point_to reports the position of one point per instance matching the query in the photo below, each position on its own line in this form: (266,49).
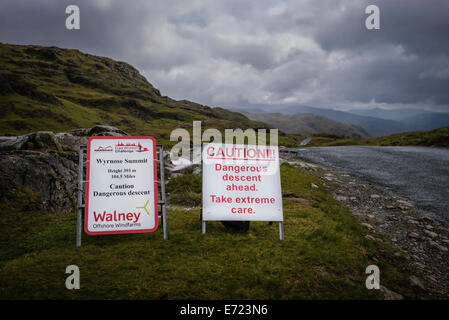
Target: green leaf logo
(144,207)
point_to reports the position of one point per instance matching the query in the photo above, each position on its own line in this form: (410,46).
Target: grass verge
(324,255)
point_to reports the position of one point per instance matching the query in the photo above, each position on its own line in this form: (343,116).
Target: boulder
(47,163)
(431,234)
(416,282)
(41,140)
(72,141)
(52,175)
(106,131)
(391,295)
(405,205)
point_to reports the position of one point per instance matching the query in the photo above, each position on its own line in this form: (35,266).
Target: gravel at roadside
(423,241)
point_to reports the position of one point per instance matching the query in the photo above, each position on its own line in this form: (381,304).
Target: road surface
(418,174)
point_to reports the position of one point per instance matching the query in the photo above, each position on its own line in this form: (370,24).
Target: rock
(438,246)
(314,186)
(404,205)
(44,140)
(370,237)
(353,198)
(431,234)
(368,225)
(431,278)
(427,220)
(47,164)
(197,170)
(105,131)
(72,141)
(419,265)
(41,140)
(52,175)
(413,235)
(340,198)
(375,196)
(390,295)
(416,282)
(184,166)
(305,141)
(82,132)
(301,164)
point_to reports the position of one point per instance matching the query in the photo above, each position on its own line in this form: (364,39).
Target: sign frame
(86,209)
(82,181)
(203,222)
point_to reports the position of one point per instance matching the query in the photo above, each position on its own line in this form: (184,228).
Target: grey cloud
(258,52)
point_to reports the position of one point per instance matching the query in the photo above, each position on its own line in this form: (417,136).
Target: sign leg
(78,228)
(204,227)
(164,223)
(80,197)
(281,230)
(162,176)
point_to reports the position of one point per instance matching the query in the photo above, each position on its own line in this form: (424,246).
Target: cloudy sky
(259,53)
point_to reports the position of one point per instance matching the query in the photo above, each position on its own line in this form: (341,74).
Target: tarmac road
(418,174)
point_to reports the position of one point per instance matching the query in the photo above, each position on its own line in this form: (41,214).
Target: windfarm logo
(145,207)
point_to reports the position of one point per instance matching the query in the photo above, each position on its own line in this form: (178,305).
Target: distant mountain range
(417,120)
(376,122)
(308,124)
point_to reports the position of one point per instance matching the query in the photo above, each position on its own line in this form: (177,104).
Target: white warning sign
(241,182)
(121,186)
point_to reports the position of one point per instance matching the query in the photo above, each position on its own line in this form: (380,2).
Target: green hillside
(48,88)
(433,138)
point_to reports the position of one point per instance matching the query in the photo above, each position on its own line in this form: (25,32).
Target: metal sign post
(81,181)
(81,191)
(162,202)
(203,222)
(281,230)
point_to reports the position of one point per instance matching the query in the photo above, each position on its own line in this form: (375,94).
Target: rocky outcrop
(42,140)
(51,174)
(47,163)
